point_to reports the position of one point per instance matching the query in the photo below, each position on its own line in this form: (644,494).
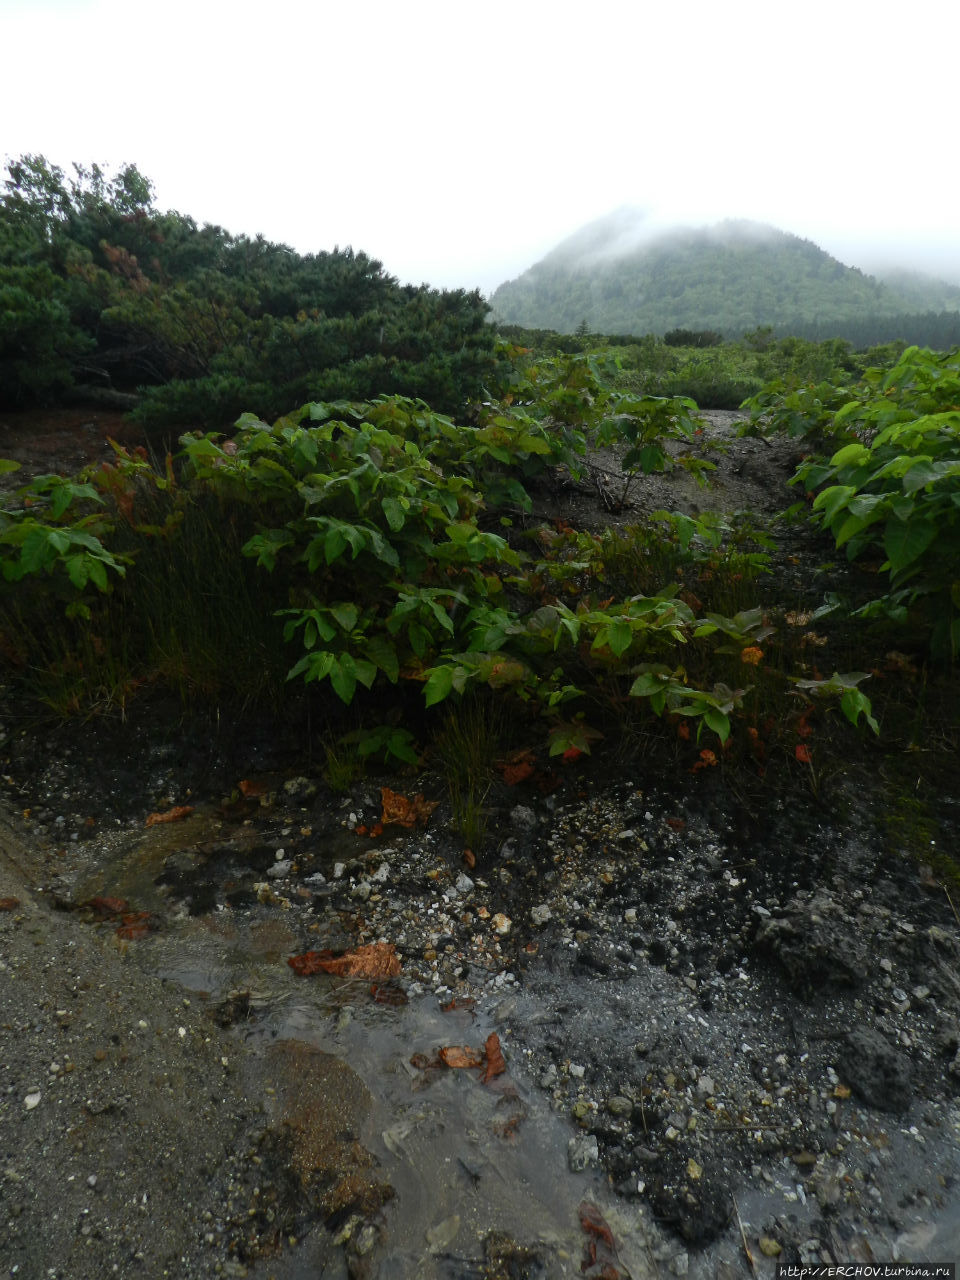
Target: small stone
(769,1247)
(523,817)
(92,1180)
(630,915)
(32,1099)
(361,890)
(280,869)
(444,1233)
(366,1238)
(618,1105)
(680,1264)
(501,923)
(582,1152)
(540,914)
(463,883)
(577,1070)
(706,1087)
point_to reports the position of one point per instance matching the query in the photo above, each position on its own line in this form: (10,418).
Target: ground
(728,1014)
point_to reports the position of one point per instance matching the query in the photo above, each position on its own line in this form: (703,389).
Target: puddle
(665,1024)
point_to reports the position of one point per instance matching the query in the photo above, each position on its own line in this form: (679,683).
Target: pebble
(501,923)
(522,816)
(582,1152)
(32,1099)
(577,1070)
(441,1236)
(280,868)
(540,914)
(618,1105)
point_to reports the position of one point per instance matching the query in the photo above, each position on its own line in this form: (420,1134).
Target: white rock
(32,1099)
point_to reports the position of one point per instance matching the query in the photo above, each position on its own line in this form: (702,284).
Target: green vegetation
(100,292)
(374,554)
(892,490)
(618,276)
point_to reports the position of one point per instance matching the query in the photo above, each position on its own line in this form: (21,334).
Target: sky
(457,141)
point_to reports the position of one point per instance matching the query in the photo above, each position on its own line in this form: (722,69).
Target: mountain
(624,274)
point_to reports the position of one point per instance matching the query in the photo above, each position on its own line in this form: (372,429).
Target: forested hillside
(617,277)
(101,291)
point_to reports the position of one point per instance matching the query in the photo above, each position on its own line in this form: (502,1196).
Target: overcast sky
(458,141)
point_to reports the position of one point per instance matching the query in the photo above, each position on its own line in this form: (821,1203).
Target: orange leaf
(135,925)
(496,1064)
(469,858)
(107,906)
(572,753)
(751,655)
(803,753)
(9,904)
(461,1056)
(247,787)
(519,772)
(594,1224)
(464,1002)
(172,815)
(403,812)
(518,767)
(683,731)
(375,960)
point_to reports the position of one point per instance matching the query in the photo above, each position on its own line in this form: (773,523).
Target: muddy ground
(728,1015)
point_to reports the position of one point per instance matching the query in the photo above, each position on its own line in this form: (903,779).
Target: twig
(952,906)
(743,1237)
(737,1128)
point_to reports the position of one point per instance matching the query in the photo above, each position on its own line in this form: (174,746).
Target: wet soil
(729,1013)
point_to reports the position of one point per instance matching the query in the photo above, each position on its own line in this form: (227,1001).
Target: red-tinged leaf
(401,811)
(594,1223)
(469,858)
(9,904)
(136,925)
(571,754)
(361,830)
(178,812)
(105,907)
(518,767)
(455,1005)
(248,787)
(461,1057)
(803,753)
(310,962)
(676,824)
(424,1063)
(496,1065)
(376,960)
(513,774)
(388,993)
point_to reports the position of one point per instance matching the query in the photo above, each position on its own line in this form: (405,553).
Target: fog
(460,143)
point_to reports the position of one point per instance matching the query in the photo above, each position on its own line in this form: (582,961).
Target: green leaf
(346,614)
(343,678)
(619,636)
(716,720)
(395,514)
(904,542)
(382,651)
(438,686)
